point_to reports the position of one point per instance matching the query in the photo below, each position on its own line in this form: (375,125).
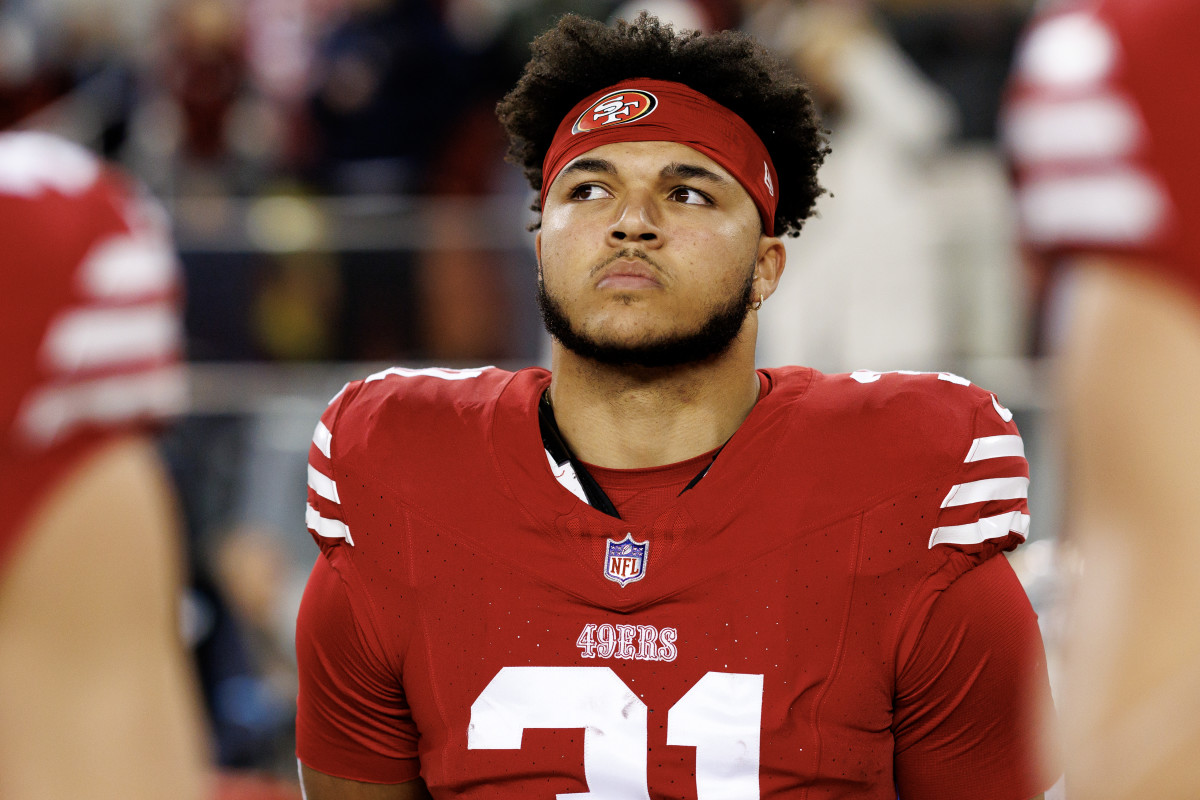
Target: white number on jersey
(720,716)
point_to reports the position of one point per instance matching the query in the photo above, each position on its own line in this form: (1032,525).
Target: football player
(653,571)
(96,695)
(1102,124)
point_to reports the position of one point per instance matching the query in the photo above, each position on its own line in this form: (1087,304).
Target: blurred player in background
(1103,126)
(96,694)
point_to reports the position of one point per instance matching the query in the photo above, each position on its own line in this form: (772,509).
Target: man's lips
(628,274)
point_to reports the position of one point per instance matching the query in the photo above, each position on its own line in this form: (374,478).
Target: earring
(757,304)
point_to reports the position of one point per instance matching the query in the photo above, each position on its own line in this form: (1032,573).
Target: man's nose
(636,222)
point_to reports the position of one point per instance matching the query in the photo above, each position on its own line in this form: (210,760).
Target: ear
(768,268)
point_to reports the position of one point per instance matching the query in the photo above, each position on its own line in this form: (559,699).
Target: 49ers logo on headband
(615,108)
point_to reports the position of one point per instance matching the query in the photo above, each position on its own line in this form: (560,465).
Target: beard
(714,336)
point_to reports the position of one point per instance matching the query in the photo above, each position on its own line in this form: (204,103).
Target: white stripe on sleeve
(1094,128)
(54,410)
(125,266)
(988,489)
(987,447)
(441,373)
(323,438)
(91,338)
(322,484)
(328,528)
(979,532)
(1121,206)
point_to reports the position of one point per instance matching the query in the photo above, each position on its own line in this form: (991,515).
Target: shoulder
(914,419)
(967,438)
(905,391)
(1074,47)
(34,163)
(1100,124)
(95,341)
(931,450)
(409,405)
(60,196)
(422,431)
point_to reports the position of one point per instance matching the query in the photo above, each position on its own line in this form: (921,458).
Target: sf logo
(613,108)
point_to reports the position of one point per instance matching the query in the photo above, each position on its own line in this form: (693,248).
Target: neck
(631,417)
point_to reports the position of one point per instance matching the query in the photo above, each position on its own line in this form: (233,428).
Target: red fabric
(1142,72)
(640,494)
(344,677)
(469,627)
(646,110)
(982,647)
(74,232)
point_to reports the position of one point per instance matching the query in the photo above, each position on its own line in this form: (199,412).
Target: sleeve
(324,515)
(987,504)
(1100,125)
(100,327)
(91,330)
(973,700)
(352,720)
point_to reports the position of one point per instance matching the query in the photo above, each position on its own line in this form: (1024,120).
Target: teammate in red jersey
(1103,126)
(655,572)
(97,699)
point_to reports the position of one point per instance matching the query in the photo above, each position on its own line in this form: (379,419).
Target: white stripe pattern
(441,373)
(328,528)
(322,484)
(323,439)
(987,447)
(53,411)
(1012,487)
(983,530)
(127,266)
(1087,129)
(1071,52)
(1113,206)
(986,490)
(33,162)
(91,338)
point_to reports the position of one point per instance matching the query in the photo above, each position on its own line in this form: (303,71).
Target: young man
(1102,126)
(655,571)
(96,695)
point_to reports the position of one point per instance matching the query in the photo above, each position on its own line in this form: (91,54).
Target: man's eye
(589,191)
(686,194)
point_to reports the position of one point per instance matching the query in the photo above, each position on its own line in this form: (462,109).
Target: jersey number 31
(720,716)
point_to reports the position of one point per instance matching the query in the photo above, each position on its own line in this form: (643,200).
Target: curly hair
(578,57)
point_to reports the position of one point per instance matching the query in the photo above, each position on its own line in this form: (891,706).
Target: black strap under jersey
(557,447)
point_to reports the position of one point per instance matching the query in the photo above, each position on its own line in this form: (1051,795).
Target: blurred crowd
(335,176)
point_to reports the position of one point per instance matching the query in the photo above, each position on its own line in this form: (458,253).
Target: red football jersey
(1102,124)
(90,329)
(826,614)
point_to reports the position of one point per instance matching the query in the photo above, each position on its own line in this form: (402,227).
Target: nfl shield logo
(625,561)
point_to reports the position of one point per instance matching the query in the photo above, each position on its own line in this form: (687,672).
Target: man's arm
(319,786)
(973,700)
(98,699)
(1128,381)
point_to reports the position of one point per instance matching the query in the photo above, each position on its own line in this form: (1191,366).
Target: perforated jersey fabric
(826,614)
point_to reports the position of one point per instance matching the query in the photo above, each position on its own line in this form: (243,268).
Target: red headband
(646,110)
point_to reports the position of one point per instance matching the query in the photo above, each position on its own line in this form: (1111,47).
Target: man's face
(647,255)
